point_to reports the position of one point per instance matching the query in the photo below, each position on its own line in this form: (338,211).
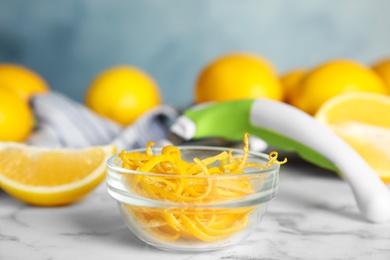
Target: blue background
(70,42)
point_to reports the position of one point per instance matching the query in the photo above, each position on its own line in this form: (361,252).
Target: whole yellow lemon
(122,93)
(333,78)
(382,68)
(238,76)
(16,118)
(21,80)
(291,82)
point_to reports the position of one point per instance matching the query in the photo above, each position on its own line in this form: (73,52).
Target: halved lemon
(51,177)
(363,121)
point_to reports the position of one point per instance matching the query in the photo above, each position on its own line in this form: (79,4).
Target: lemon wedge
(51,177)
(362,120)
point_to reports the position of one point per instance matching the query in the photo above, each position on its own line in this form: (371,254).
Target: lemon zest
(195,189)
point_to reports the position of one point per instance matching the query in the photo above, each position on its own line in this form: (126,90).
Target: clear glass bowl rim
(274,167)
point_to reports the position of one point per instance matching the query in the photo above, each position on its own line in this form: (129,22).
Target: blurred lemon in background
(51,177)
(237,76)
(333,78)
(382,68)
(291,82)
(122,94)
(16,118)
(22,81)
(362,120)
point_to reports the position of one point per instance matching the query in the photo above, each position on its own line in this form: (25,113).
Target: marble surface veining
(314,216)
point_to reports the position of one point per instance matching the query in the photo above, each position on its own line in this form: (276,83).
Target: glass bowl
(228,211)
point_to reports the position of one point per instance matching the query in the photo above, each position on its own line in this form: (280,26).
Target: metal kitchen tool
(287,128)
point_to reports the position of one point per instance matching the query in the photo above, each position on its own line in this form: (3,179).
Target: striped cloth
(62,122)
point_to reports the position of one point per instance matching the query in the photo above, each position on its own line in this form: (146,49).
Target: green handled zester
(287,128)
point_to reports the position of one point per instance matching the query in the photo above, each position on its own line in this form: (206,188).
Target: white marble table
(313,217)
